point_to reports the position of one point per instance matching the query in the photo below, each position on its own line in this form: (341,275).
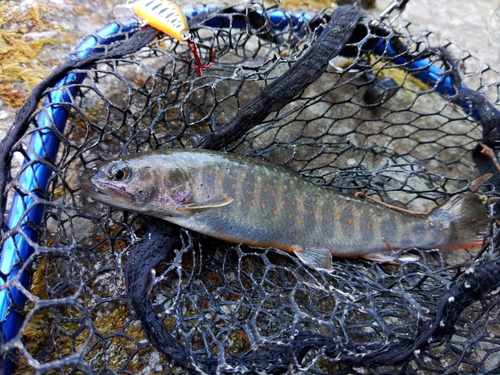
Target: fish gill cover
(399,115)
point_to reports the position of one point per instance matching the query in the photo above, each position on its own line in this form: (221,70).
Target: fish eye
(119,171)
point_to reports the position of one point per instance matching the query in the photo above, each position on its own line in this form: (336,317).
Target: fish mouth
(100,190)
(86,183)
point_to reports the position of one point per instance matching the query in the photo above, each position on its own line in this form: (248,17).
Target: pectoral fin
(315,258)
(191,208)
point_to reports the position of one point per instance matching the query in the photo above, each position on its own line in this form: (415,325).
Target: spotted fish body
(243,200)
(165,16)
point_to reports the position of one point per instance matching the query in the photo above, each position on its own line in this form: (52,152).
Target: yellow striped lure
(167,17)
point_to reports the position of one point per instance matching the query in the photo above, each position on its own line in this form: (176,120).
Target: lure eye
(119,172)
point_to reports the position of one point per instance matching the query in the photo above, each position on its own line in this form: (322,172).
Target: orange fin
(466,216)
(315,258)
(474,185)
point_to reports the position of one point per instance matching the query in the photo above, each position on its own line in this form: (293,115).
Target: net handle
(43,144)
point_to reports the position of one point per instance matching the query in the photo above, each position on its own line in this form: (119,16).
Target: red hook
(199,67)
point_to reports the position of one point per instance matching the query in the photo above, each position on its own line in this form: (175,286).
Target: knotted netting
(400,115)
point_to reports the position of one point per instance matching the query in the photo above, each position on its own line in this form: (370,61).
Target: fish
(240,199)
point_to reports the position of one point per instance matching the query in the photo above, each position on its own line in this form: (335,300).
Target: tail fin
(467,217)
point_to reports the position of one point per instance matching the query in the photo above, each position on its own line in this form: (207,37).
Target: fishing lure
(165,16)
(169,18)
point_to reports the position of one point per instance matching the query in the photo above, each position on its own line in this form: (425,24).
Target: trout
(244,200)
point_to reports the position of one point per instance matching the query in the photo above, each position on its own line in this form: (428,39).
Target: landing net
(386,119)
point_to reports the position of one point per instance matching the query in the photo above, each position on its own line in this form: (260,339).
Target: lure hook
(198,68)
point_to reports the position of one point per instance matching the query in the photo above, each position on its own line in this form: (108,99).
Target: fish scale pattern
(93,305)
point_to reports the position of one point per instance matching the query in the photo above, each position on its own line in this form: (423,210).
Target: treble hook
(200,66)
(398,5)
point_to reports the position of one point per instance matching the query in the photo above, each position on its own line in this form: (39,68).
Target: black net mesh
(95,305)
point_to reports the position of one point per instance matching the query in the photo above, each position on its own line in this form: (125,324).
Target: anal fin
(315,258)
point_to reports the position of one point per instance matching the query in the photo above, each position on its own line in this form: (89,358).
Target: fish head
(140,184)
